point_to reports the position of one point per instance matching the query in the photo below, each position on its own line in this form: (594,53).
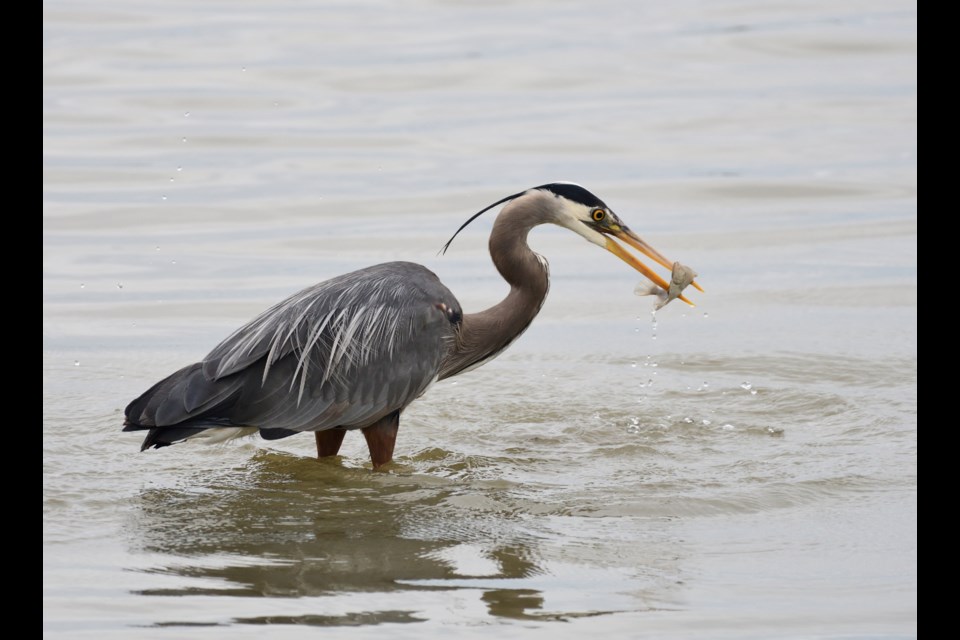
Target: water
(744,469)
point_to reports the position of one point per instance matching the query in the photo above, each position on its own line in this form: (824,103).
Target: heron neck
(484,335)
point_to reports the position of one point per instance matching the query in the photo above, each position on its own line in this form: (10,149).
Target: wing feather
(344,353)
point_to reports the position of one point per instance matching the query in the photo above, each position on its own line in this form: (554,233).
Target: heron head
(569,205)
(587,215)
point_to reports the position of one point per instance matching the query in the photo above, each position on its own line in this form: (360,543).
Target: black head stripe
(573,192)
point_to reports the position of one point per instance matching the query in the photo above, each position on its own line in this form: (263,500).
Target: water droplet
(157,248)
(173,262)
(706,385)
(705,422)
(688,420)
(633,429)
(276,104)
(179,168)
(654,364)
(184,139)
(186,114)
(171,179)
(650,382)
(728,427)
(633,365)
(746,386)
(119,285)
(243,69)
(163,197)
(775,431)
(82,286)
(706,315)
(753,392)
(76,363)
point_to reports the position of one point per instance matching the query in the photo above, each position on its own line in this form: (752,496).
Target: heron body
(354,351)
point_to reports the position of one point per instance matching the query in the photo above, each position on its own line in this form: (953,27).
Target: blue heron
(354,351)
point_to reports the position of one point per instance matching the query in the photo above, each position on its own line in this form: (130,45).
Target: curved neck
(484,335)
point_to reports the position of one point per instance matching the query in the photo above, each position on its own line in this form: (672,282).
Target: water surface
(747,468)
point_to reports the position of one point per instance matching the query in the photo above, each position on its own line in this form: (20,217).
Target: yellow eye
(598,215)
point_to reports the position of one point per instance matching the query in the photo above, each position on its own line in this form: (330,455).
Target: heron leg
(329,441)
(381,436)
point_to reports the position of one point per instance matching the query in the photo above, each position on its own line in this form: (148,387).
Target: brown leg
(381,436)
(329,441)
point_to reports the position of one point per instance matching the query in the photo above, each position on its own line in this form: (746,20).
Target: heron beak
(632,239)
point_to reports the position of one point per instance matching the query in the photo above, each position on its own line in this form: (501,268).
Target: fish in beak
(681,276)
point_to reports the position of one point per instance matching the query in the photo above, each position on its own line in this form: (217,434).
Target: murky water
(747,468)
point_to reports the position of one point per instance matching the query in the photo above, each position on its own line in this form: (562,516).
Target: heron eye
(598,215)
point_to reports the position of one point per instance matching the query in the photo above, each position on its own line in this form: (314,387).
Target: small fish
(680,279)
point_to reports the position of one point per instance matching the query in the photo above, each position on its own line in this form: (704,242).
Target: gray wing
(342,353)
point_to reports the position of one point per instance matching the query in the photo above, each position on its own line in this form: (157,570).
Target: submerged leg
(381,436)
(329,441)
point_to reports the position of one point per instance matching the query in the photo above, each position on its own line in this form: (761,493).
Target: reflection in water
(283,526)
(349,619)
(321,528)
(512,603)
